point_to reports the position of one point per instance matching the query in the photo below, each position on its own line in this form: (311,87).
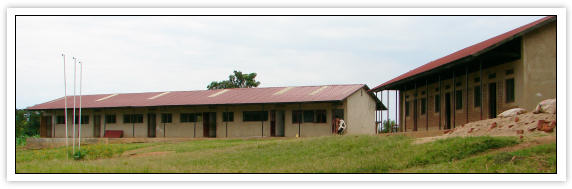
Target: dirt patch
(523,125)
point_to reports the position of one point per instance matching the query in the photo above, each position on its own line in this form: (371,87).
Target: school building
(514,69)
(242,112)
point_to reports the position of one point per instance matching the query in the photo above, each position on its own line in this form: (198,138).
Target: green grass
(537,159)
(332,154)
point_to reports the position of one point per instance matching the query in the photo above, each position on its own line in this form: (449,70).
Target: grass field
(333,154)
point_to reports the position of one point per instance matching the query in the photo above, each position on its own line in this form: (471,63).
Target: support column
(299,118)
(376,118)
(454,93)
(404,104)
(262,122)
(481,84)
(440,96)
(467,93)
(415,112)
(426,105)
(387,113)
(226,122)
(396,109)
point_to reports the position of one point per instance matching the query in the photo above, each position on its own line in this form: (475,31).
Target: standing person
(341,127)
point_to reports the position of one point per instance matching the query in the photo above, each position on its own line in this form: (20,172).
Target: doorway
(336,113)
(277,123)
(151,125)
(415,115)
(448,111)
(209,124)
(46,126)
(96,126)
(492,100)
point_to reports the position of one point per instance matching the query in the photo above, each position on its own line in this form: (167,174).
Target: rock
(471,130)
(493,125)
(519,132)
(447,131)
(549,127)
(510,126)
(540,125)
(512,112)
(531,128)
(516,119)
(546,106)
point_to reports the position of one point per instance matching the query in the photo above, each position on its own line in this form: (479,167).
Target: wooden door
(96,126)
(273,123)
(151,125)
(46,126)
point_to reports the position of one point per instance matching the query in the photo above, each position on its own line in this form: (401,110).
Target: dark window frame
(61,119)
(458,99)
(84,119)
(297,116)
(509,90)
(437,103)
(308,116)
(252,116)
(477,99)
(108,119)
(406,108)
(166,118)
(321,116)
(132,118)
(228,116)
(423,106)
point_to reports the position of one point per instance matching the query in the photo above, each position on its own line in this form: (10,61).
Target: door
(415,115)
(280,123)
(273,123)
(46,126)
(337,113)
(97,126)
(209,124)
(492,100)
(448,111)
(151,125)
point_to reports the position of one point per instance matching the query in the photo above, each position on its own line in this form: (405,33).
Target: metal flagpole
(73,126)
(80,76)
(66,105)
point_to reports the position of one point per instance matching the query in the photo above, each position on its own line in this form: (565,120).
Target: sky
(181,53)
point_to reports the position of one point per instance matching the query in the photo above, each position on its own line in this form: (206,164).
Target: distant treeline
(27,125)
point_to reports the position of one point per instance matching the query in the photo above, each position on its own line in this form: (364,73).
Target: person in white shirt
(341,127)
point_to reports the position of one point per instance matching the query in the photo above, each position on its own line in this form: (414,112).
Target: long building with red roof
(514,69)
(241,112)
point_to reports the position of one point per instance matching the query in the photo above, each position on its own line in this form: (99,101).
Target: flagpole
(73,128)
(66,106)
(80,76)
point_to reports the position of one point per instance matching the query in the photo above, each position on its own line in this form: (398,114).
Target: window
(60,120)
(492,75)
(166,118)
(133,118)
(321,116)
(296,116)
(509,90)
(458,100)
(110,119)
(190,117)
(509,72)
(437,103)
(423,106)
(477,79)
(308,116)
(406,108)
(228,116)
(477,96)
(84,119)
(255,116)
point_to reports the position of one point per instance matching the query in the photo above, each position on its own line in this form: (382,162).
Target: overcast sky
(146,54)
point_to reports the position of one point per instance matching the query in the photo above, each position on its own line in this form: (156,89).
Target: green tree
(387,125)
(238,80)
(27,123)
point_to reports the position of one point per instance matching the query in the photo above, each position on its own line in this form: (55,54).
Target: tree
(387,125)
(238,80)
(27,123)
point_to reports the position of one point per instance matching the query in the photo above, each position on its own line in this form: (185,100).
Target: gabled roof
(473,50)
(325,93)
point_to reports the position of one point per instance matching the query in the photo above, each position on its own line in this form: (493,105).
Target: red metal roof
(211,97)
(471,50)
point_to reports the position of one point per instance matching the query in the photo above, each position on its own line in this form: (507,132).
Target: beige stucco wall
(358,111)
(360,117)
(539,55)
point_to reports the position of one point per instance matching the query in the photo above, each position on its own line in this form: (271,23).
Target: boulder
(546,106)
(520,132)
(516,119)
(493,125)
(512,112)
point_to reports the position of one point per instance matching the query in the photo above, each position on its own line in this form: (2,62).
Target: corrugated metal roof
(211,97)
(471,50)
